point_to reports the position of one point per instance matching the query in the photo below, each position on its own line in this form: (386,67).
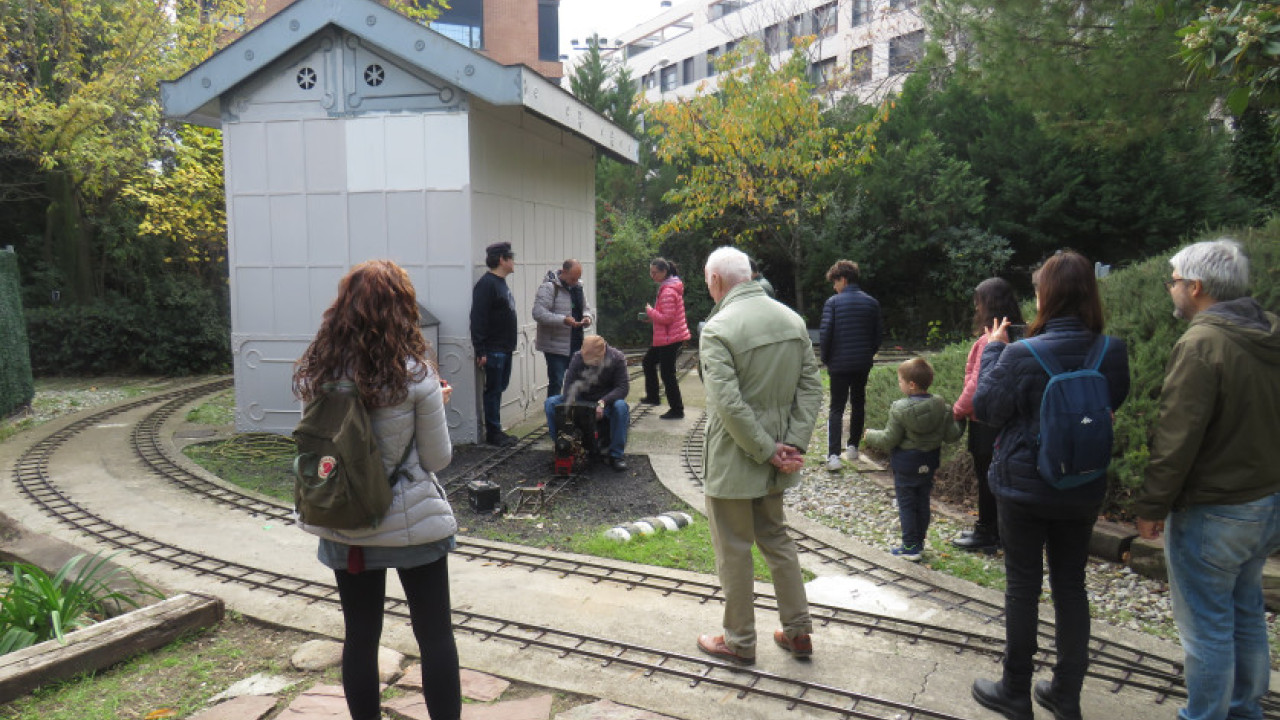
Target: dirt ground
(594,498)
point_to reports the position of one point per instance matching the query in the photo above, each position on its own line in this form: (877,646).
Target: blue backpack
(1075,419)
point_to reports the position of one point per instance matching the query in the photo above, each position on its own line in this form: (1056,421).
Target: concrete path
(99,470)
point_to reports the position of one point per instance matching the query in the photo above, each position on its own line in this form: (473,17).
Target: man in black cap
(493,335)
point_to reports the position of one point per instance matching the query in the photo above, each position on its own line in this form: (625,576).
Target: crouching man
(598,374)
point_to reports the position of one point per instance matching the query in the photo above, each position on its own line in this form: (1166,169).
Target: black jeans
(912,491)
(982,441)
(850,387)
(663,358)
(1031,532)
(426,589)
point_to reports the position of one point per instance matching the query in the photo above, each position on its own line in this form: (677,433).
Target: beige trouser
(735,526)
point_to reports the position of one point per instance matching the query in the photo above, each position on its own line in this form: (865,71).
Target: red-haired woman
(1036,518)
(670,330)
(370,338)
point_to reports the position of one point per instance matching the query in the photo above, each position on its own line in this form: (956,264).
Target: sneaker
(834,464)
(672,415)
(976,540)
(908,552)
(851,453)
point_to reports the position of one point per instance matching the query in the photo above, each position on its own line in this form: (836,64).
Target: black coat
(493,316)
(850,332)
(1010,386)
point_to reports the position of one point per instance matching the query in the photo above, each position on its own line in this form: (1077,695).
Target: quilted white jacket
(419,512)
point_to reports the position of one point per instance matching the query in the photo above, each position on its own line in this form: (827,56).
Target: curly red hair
(368,335)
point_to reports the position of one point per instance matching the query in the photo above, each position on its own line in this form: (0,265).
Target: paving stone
(315,655)
(389,662)
(260,684)
(537,707)
(609,710)
(477,686)
(322,702)
(249,707)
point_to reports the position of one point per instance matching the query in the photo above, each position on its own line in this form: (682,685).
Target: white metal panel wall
(309,198)
(533,185)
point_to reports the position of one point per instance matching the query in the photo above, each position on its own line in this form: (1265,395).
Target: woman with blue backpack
(1053,396)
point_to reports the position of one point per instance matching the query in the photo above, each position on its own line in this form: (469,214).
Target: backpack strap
(1093,360)
(1047,361)
(395,474)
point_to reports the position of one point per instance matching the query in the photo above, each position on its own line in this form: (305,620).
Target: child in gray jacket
(918,426)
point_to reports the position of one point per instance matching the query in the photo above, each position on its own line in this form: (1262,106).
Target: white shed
(350,133)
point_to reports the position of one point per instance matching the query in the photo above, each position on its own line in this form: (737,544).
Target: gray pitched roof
(194,97)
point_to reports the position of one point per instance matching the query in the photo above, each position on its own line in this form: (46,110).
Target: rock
(241,708)
(537,707)
(1271,582)
(389,662)
(315,655)
(1111,540)
(1146,557)
(260,684)
(481,686)
(609,710)
(321,701)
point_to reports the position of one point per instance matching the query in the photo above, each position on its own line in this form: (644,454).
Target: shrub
(178,328)
(37,607)
(16,384)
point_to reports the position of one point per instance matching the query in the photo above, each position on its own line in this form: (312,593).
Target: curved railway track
(1123,668)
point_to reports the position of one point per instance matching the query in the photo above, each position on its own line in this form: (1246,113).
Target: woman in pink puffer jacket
(670,330)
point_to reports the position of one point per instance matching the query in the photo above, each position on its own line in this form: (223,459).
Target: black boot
(993,696)
(1063,708)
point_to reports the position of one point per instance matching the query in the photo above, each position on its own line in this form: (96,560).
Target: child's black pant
(913,492)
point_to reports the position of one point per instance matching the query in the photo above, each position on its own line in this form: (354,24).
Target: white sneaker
(851,454)
(834,464)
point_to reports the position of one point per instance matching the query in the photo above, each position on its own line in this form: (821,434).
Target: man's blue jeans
(497,375)
(556,367)
(1215,555)
(618,414)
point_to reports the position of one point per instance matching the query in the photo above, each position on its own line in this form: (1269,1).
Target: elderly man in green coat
(763,394)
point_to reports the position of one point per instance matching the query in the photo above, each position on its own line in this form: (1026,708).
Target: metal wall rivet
(469,70)
(294,25)
(248,54)
(420,45)
(371,21)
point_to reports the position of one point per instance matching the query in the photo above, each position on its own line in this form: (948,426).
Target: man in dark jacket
(598,374)
(1214,473)
(493,335)
(849,338)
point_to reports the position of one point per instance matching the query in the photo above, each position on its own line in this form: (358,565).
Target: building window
(726,7)
(861,12)
(670,77)
(905,51)
(823,73)
(795,28)
(712,56)
(903,4)
(860,65)
(463,23)
(686,71)
(773,39)
(825,20)
(549,30)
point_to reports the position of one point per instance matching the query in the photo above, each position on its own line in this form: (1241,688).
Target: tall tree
(755,164)
(1097,71)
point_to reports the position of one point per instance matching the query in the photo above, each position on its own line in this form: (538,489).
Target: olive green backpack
(339,482)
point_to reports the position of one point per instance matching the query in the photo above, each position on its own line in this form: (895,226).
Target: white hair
(731,264)
(1220,265)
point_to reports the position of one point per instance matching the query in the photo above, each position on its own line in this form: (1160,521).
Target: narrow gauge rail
(1121,667)
(32,475)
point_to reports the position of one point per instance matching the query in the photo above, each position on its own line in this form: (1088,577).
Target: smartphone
(1016,332)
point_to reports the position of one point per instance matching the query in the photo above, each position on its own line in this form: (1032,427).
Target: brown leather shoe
(800,646)
(715,646)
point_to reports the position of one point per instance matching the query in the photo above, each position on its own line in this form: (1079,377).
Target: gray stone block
(1111,540)
(1146,557)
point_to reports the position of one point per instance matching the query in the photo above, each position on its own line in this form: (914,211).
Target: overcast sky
(580,18)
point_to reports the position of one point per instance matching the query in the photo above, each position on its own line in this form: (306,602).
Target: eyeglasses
(1168,284)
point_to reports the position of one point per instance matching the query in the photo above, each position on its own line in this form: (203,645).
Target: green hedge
(16,384)
(1138,310)
(180,329)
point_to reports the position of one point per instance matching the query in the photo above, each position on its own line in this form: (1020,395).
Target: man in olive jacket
(763,394)
(1214,473)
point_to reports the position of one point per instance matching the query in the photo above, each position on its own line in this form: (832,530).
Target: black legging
(982,440)
(663,357)
(426,588)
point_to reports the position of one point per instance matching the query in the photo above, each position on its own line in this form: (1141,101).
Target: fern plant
(37,607)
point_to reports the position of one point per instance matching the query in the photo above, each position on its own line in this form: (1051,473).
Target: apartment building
(511,32)
(861,46)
